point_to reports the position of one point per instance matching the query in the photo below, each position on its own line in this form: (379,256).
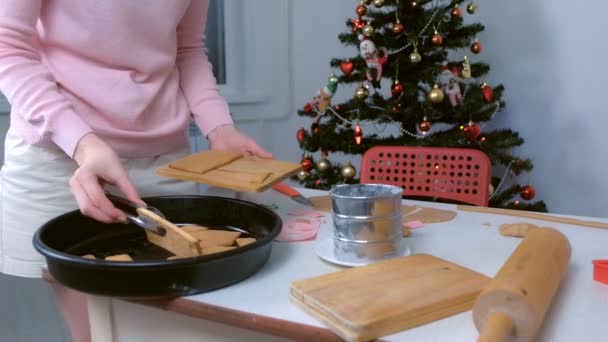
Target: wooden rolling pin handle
(498,328)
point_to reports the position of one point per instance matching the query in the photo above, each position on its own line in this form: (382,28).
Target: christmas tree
(417,69)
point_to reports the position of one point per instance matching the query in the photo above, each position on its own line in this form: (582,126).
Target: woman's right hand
(99,164)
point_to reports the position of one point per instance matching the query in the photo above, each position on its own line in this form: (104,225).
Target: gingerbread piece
(202,162)
(216,249)
(119,257)
(516,229)
(175,239)
(213,237)
(245,241)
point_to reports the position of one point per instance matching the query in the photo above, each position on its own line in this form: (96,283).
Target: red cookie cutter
(600,271)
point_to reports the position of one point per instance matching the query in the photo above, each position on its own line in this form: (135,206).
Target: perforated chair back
(457,174)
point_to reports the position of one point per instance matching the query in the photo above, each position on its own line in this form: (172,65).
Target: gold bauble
(368,30)
(323,165)
(472,8)
(361,93)
(415,57)
(378,3)
(348,171)
(436,95)
(302,175)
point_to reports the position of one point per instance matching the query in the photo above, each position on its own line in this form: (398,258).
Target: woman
(101,93)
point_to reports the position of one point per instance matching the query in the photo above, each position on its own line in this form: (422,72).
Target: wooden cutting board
(360,304)
(230,170)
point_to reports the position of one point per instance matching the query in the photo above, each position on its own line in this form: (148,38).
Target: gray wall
(548,54)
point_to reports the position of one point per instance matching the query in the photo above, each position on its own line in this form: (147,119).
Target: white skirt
(34,188)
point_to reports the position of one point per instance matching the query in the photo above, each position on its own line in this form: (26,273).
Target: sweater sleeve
(197,82)
(28,84)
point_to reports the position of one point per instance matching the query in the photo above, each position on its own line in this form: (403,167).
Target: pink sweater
(132,71)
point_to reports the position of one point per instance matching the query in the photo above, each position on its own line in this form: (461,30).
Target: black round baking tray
(63,240)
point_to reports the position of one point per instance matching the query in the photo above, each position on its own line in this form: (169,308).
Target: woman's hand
(227,137)
(99,164)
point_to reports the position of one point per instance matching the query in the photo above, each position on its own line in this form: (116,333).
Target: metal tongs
(130,209)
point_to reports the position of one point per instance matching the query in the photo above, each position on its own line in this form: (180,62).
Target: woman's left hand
(228,137)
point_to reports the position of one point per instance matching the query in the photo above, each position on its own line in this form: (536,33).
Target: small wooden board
(224,169)
(364,303)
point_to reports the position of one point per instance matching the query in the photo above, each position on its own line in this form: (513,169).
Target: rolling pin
(513,305)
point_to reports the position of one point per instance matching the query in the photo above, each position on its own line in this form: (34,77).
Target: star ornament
(358,24)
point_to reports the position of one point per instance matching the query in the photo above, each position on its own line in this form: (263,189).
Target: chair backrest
(458,174)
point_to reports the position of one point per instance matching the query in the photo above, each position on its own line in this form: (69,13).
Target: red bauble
(361,10)
(398,28)
(487,92)
(347,67)
(358,134)
(456,12)
(300,135)
(528,192)
(318,182)
(307,108)
(476,47)
(307,164)
(396,89)
(437,39)
(425,125)
(315,128)
(472,131)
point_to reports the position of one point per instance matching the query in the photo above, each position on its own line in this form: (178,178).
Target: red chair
(457,174)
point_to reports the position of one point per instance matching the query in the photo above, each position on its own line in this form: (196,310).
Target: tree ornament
(323,98)
(348,171)
(318,182)
(307,164)
(437,39)
(425,125)
(323,165)
(361,93)
(307,108)
(302,175)
(374,58)
(368,30)
(450,84)
(415,57)
(436,95)
(358,24)
(487,92)
(528,192)
(300,135)
(397,89)
(397,27)
(472,131)
(361,10)
(347,67)
(378,3)
(358,134)
(471,8)
(466,68)
(315,128)
(476,47)
(456,12)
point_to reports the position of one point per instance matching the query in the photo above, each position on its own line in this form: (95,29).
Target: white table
(258,308)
